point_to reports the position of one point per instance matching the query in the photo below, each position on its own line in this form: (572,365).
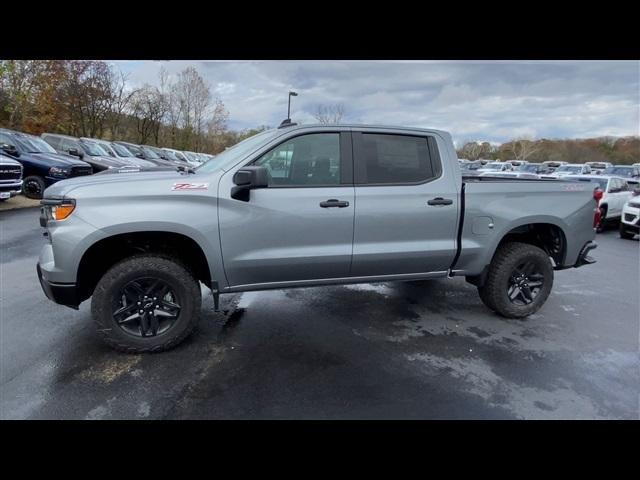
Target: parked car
(552,165)
(85,150)
(193,159)
(631,173)
(518,163)
(535,168)
(121,154)
(177,155)
(493,167)
(571,169)
(10,177)
(146,154)
(360,204)
(598,167)
(471,168)
(630,219)
(42,165)
(615,192)
(162,154)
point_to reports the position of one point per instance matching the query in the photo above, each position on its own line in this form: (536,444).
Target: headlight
(58,172)
(56,209)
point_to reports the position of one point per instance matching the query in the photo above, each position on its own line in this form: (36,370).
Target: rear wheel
(146,303)
(519,280)
(33,187)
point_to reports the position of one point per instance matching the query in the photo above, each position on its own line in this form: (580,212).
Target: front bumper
(62,293)
(12,188)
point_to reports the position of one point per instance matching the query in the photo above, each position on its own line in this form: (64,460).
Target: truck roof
(356,126)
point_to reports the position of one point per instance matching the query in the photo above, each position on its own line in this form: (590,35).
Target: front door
(300,227)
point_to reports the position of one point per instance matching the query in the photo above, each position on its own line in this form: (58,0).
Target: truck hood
(55,159)
(128,184)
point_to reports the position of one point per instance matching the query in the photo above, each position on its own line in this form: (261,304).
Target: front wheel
(146,303)
(33,187)
(624,233)
(519,280)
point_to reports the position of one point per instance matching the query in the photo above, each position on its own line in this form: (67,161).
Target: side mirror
(10,150)
(75,152)
(140,155)
(247,179)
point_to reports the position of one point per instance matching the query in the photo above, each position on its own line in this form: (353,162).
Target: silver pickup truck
(300,206)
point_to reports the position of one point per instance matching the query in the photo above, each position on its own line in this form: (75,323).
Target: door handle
(440,201)
(333,203)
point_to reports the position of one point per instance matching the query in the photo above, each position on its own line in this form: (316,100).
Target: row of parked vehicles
(29,164)
(617,187)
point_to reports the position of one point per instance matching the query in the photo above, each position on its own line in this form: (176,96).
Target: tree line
(617,150)
(89,98)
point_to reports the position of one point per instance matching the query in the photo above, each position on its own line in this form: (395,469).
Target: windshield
(240,150)
(93,148)
(120,150)
(569,168)
(171,155)
(599,182)
(148,153)
(180,156)
(107,148)
(33,144)
(620,171)
(191,156)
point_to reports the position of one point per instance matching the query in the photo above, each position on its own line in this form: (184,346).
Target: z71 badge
(190,186)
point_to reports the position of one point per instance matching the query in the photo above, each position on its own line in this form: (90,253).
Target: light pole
(291,94)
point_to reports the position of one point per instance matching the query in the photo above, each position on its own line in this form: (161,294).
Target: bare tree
(470,151)
(149,108)
(121,100)
(193,97)
(523,148)
(329,114)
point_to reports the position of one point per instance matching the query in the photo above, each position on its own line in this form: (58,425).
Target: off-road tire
(168,270)
(494,291)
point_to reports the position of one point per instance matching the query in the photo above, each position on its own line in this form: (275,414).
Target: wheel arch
(547,234)
(107,251)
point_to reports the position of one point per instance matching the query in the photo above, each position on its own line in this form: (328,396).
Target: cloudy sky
(488,100)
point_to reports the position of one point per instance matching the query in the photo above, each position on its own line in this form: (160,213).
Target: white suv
(615,193)
(630,220)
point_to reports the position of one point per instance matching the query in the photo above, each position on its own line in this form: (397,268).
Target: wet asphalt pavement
(415,350)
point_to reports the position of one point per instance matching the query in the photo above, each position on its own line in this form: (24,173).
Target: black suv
(42,166)
(90,152)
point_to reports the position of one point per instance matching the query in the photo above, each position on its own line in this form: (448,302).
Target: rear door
(406,206)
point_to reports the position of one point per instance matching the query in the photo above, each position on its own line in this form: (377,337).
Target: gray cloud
(486,100)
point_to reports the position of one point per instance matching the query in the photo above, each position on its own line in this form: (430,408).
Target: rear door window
(390,159)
